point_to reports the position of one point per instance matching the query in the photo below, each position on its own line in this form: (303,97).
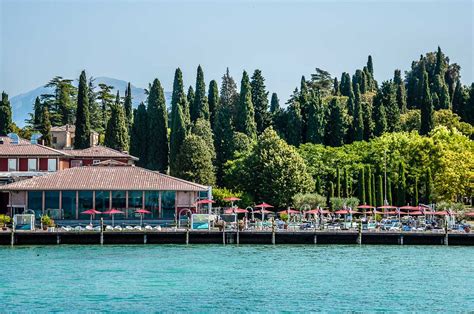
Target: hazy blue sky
(140,40)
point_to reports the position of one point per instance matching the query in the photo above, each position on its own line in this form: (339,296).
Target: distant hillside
(22,104)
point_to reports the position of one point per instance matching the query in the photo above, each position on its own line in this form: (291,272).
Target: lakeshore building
(62,183)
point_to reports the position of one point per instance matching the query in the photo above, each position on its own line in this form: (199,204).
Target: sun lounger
(118,228)
(128,228)
(137,228)
(148,227)
(109,228)
(157,228)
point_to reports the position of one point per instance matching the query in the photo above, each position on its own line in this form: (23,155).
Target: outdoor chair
(118,228)
(109,228)
(148,227)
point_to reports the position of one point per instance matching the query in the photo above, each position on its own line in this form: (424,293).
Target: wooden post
(238,232)
(144,238)
(400,239)
(446,242)
(273,231)
(223,233)
(58,238)
(359,236)
(101,230)
(187,236)
(315,238)
(12,240)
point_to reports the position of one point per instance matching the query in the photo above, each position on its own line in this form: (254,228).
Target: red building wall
(23,164)
(3,164)
(43,164)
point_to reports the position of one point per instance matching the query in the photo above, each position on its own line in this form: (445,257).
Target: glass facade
(119,200)
(168,201)
(68,201)
(152,203)
(102,200)
(35,202)
(85,202)
(51,204)
(135,199)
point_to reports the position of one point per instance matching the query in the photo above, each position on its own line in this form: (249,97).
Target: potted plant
(46,221)
(4,220)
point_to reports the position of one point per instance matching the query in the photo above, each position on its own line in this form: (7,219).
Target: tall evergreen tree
(336,91)
(380,117)
(361,186)
(346,85)
(179,97)
(427,120)
(158,126)
(338,183)
(83,127)
(37,112)
(190,97)
(336,124)
(200,107)
(428,187)
(468,111)
(45,128)
(401,96)
(380,191)
(139,137)
(260,101)
(370,65)
(213,100)
(316,120)
(389,191)
(345,184)
(391,107)
(5,115)
(304,99)
(368,186)
(106,99)
(374,191)
(244,114)
(116,134)
(358,119)
(178,134)
(460,98)
(95,114)
(128,109)
(274,103)
(401,186)
(294,129)
(415,194)
(369,125)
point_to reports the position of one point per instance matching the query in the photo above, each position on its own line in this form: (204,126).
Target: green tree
(428,187)
(294,134)
(336,90)
(177,136)
(128,109)
(358,124)
(401,186)
(106,99)
(374,191)
(45,128)
(391,107)
(202,128)
(427,122)
(158,126)
(194,161)
(380,117)
(244,114)
(336,124)
(316,120)
(369,125)
(401,95)
(380,191)
(338,183)
(368,186)
(190,97)
(213,101)
(95,113)
(361,186)
(139,136)
(260,101)
(274,103)
(5,115)
(346,85)
(200,106)
(116,134)
(83,127)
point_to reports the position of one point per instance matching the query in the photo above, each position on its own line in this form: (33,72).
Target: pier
(233,237)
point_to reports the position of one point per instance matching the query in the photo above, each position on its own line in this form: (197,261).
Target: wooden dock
(233,237)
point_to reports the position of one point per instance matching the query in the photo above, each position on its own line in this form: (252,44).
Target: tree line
(214,136)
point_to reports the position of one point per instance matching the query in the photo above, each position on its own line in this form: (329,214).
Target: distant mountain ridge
(22,104)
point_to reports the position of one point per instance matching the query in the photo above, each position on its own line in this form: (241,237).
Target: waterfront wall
(245,237)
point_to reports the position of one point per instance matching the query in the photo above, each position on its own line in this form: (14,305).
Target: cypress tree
(389,102)
(179,98)
(428,187)
(331,189)
(260,101)
(139,136)
(427,122)
(459,99)
(304,99)
(361,186)
(157,126)
(177,136)
(190,97)
(318,187)
(200,107)
(127,106)
(116,134)
(294,134)
(401,96)
(213,99)
(37,112)
(380,117)
(370,65)
(389,191)
(415,201)
(338,183)
(336,91)
(274,103)
(244,115)
(346,85)
(316,120)
(95,114)
(5,115)
(401,187)
(368,185)
(358,119)
(83,127)
(468,111)
(373,188)
(369,125)
(380,191)
(345,183)
(336,125)
(45,128)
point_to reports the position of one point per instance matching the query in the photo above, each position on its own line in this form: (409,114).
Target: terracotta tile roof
(7,141)
(105,177)
(99,152)
(29,150)
(67,127)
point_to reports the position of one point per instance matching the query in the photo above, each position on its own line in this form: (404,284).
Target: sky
(137,41)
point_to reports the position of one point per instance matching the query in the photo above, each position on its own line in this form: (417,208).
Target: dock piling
(187,236)
(101,231)
(145,239)
(12,240)
(273,232)
(223,234)
(315,239)
(58,239)
(400,239)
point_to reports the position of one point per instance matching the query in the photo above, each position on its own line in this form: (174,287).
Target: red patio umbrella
(236,211)
(416,213)
(113,212)
(365,206)
(207,201)
(344,212)
(312,211)
(263,211)
(393,212)
(471,214)
(387,207)
(289,211)
(408,207)
(231,199)
(91,212)
(142,212)
(441,213)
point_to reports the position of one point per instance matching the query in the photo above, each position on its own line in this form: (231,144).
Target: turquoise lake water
(200,278)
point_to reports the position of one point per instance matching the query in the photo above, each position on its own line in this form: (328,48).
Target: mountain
(22,104)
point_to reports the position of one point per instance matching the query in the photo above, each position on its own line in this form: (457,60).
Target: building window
(152,202)
(32,165)
(119,200)
(85,202)
(102,200)
(76,163)
(135,202)
(51,204)
(55,139)
(168,208)
(35,202)
(12,164)
(69,204)
(52,165)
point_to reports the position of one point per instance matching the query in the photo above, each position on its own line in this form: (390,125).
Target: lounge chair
(118,228)
(109,228)
(137,228)
(78,228)
(128,228)
(148,227)
(157,228)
